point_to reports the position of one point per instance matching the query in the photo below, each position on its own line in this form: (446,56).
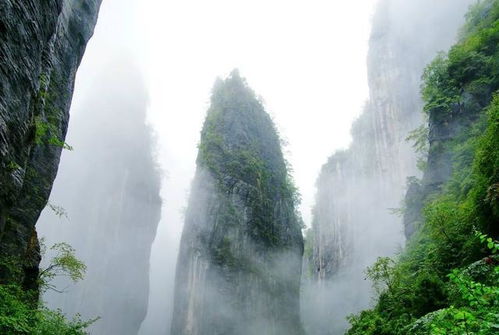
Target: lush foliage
(63,263)
(475,304)
(18,317)
(445,282)
(21,315)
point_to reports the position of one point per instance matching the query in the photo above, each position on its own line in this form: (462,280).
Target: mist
(181,72)
(340,82)
(107,191)
(360,190)
(106,201)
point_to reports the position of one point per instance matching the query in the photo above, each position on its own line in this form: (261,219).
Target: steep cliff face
(448,268)
(453,110)
(239,265)
(352,221)
(41,45)
(109,187)
(459,89)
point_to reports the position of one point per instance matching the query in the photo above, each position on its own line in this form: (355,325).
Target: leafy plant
(46,133)
(419,138)
(58,210)
(20,316)
(492,245)
(64,263)
(381,273)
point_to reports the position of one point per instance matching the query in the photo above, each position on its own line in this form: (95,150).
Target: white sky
(306,58)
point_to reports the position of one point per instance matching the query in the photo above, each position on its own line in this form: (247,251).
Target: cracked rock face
(41,46)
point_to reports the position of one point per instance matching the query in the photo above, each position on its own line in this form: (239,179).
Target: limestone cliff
(239,265)
(454,209)
(352,221)
(109,187)
(456,110)
(41,45)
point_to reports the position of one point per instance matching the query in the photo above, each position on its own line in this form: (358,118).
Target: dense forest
(403,237)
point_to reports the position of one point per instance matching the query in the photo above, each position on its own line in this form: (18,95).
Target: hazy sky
(306,58)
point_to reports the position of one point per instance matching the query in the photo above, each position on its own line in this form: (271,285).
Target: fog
(107,204)
(285,49)
(108,186)
(360,190)
(147,77)
(227,280)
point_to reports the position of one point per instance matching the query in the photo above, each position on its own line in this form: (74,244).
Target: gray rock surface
(109,187)
(41,45)
(353,223)
(239,266)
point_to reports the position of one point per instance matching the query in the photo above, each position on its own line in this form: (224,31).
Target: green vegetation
(241,149)
(46,123)
(17,317)
(45,133)
(446,281)
(58,210)
(308,254)
(419,138)
(64,263)
(20,316)
(475,304)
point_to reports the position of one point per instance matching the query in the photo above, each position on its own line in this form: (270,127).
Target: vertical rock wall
(451,122)
(239,266)
(352,221)
(109,186)
(41,45)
